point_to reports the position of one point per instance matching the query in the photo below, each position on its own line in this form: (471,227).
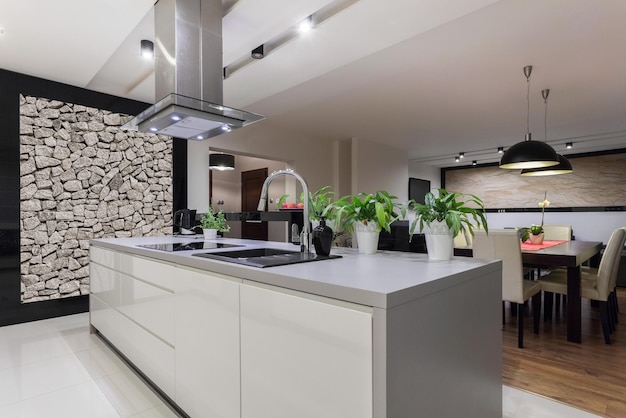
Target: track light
(569,145)
(147,49)
(457,159)
(500,150)
(305,25)
(258,52)
(461,155)
(474,162)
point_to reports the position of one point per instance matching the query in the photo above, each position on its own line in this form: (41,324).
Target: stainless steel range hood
(188,74)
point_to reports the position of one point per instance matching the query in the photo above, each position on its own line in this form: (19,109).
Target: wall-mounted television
(418,189)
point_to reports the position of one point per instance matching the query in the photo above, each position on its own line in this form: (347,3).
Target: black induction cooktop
(186,246)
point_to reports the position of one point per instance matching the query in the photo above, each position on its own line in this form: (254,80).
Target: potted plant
(367,214)
(442,217)
(535,232)
(320,204)
(212,223)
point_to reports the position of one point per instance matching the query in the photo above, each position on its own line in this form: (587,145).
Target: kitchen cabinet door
(207,344)
(303,356)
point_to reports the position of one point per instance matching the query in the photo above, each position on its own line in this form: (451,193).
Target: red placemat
(527,246)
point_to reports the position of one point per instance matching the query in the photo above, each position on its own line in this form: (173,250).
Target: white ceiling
(430,77)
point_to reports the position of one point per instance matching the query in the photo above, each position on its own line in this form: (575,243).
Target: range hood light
(188,118)
(189,64)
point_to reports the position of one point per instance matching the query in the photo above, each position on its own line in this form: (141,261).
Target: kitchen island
(386,335)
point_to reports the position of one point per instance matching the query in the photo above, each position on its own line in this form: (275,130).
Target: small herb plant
(212,220)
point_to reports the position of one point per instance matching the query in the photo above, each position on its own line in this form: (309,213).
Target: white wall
(379,167)
(586,226)
(311,157)
(426,172)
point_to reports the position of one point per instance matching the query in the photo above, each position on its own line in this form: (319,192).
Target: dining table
(568,254)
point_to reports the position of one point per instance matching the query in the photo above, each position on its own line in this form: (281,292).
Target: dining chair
(599,289)
(504,244)
(557,232)
(590,273)
(464,238)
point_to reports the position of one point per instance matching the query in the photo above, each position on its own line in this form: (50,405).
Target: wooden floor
(589,376)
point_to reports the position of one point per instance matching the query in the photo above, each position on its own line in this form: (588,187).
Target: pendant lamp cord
(527,72)
(545,93)
(528,104)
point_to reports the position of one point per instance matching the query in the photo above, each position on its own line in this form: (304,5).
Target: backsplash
(82,177)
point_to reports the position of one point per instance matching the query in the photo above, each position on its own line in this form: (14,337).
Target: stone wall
(596,181)
(83,177)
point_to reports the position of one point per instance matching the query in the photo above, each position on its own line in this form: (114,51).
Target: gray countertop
(384,280)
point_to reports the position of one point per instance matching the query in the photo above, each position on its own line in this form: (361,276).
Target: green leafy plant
(452,208)
(320,203)
(212,220)
(378,207)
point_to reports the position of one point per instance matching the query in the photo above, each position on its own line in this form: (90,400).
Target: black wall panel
(13,84)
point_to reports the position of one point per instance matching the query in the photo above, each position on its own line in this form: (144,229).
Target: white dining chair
(504,244)
(596,285)
(557,232)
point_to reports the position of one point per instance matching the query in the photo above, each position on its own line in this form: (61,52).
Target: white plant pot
(367,237)
(439,241)
(210,233)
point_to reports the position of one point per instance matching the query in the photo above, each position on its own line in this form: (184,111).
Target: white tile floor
(55,368)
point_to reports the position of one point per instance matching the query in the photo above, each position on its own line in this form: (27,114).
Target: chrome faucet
(305,235)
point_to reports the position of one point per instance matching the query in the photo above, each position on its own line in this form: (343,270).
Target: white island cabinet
(304,356)
(387,335)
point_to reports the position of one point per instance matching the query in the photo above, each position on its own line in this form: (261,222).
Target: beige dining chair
(504,244)
(553,233)
(557,232)
(590,273)
(599,289)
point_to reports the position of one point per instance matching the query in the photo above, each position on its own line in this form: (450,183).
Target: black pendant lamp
(221,162)
(563,167)
(529,153)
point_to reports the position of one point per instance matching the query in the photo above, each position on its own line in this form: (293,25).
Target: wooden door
(251,185)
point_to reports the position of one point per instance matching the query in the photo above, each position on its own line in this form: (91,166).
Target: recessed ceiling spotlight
(474,162)
(569,145)
(153,129)
(461,155)
(258,52)
(175,117)
(226,128)
(200,137)
(147,49)
(457,159)
(500,150)
(305,25)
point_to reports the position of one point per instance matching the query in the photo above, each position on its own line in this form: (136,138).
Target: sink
(264,257)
